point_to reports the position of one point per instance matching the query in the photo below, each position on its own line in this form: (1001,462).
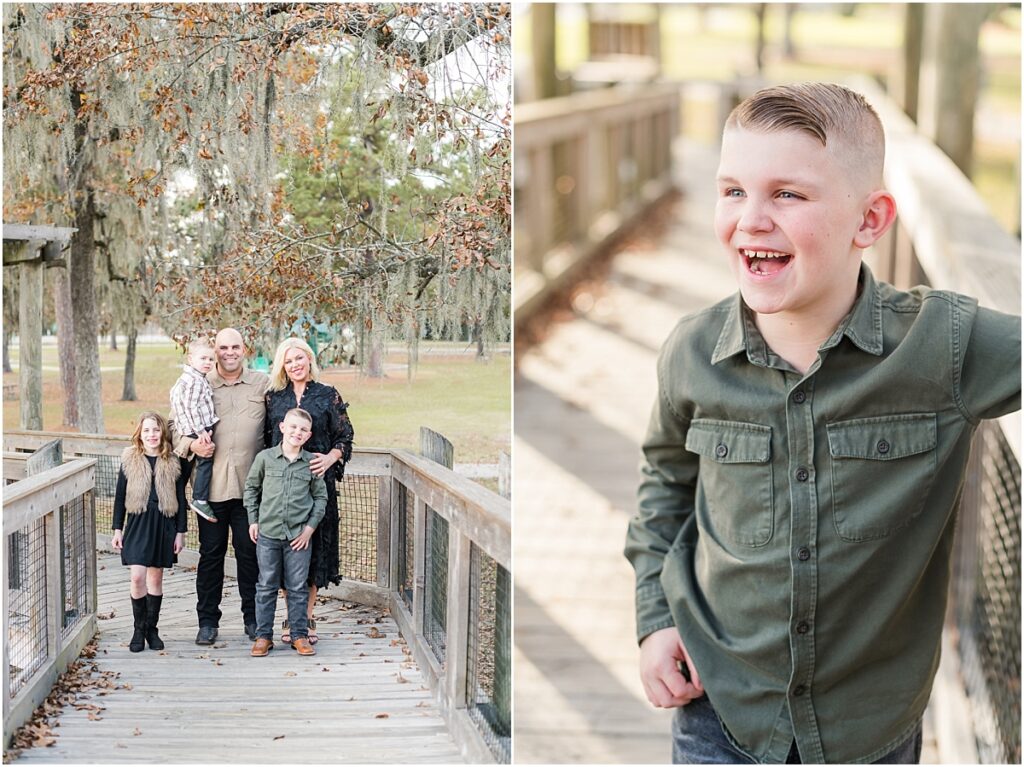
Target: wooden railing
(49,579)
(403,501)
(587,166)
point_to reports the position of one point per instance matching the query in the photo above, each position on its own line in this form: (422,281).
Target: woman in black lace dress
(293,383)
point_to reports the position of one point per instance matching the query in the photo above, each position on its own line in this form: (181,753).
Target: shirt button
(799,397)
(799,690)
(802,627)
(721,451)
(803,554)
(802,475)
(882,446)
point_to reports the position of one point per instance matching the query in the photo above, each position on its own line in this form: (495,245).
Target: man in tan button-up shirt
(238,402)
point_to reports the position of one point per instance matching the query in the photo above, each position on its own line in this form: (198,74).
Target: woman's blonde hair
(165,434)
(278,376)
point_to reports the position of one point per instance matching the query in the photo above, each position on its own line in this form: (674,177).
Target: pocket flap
(883,439)
(730,441)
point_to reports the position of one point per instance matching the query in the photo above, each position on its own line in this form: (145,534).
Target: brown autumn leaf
(381,716)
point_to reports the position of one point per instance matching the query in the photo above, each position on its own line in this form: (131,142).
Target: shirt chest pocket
(735,479)
(882,469)
(254,407)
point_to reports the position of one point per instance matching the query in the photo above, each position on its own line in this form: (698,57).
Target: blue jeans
(698,738)
(278,562)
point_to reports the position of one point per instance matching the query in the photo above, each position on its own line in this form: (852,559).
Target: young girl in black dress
(150,521)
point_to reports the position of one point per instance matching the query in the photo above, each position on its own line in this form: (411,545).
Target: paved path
(582,398)
(360,699)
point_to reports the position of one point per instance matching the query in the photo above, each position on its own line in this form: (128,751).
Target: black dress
(148,538)
(331,429)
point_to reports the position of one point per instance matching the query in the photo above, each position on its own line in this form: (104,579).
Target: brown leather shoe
(302,646)
(261,647)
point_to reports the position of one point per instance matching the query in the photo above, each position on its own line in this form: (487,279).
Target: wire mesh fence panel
(406,546)
(489,663)
(77,544)
(435,594)
(987,602)
(357,536)
(27,637)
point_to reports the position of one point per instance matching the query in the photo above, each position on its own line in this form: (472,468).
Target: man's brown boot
(261,647)
(302,646)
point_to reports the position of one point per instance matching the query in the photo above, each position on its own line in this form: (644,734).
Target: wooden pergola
(31,248)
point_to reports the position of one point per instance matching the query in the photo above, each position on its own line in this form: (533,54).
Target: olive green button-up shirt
(797,529)
(284,496)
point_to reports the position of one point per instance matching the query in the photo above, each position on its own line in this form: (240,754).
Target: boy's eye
(733,192)
(787,195)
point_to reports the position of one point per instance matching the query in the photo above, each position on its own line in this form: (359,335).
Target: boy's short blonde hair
(202,342)
(841,119)
(302,415)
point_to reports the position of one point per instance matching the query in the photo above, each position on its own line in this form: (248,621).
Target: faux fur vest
(140,479)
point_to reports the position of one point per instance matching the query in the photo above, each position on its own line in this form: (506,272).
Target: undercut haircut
(841,119)
(301,414)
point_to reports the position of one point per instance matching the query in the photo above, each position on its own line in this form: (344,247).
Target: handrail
(49,582)
(588,166)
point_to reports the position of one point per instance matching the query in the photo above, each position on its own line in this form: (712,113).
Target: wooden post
(458,616)
(384,523)
(6,567)
(30,343)
(504,475)
(419,562)
(54,603)
(396,544)
(436,447)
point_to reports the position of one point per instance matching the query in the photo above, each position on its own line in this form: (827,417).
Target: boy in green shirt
(285,502)
(805,458)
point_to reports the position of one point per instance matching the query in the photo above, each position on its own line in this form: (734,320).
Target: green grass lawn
(467,401)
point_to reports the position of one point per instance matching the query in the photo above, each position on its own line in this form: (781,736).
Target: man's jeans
(698,738)
(278,562)
(213,547)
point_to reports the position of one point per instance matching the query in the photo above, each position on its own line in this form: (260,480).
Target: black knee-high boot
(152,618)
(138,643)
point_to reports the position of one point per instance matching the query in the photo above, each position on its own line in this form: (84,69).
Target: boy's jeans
(697,738)
(277,560)
(203,474)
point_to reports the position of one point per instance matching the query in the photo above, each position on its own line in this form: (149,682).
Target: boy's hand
(664,685)
(204,438)
(302,541)
(201,448)
(254,532)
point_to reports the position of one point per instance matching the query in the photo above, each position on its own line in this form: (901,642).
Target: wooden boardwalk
(360,699)
(583,397)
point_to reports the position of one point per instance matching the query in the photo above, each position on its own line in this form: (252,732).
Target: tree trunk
(761,11)
(788,46)
(65,345)
(545,79)
(375,359)
(909,77)
(950,79)
(113,337)
(82,273)
(82,276)
(7,351)
(478,336)
(128,392)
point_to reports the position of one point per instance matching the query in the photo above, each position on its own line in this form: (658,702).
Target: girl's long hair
(165,434)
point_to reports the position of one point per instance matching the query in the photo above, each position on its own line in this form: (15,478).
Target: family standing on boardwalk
(269,452)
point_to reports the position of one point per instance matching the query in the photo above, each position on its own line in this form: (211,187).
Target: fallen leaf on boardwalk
(278,737)
(120,745)
(162,652)
(361,655)
(203,656)
(325,669)
(93,717)
(220,646)
(289,673)
(106,616)
(395,643)
(401,679)
(423,704)
(218,662)
(137,731)
(382,716)
(374,633)
(125,686)
(409,664)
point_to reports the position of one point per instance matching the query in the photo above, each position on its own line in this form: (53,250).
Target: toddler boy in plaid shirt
(192,402)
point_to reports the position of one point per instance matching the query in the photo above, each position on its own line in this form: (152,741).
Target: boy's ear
(281,426)
(879,215)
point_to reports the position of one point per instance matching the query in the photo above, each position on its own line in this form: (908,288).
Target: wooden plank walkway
(583,397)
(360,699)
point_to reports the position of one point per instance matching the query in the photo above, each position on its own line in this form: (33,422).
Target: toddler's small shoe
(302,646)
(261,647)
(202,508)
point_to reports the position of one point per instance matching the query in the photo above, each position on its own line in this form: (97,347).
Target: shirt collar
(279,453)
(215,380)
(863,326)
